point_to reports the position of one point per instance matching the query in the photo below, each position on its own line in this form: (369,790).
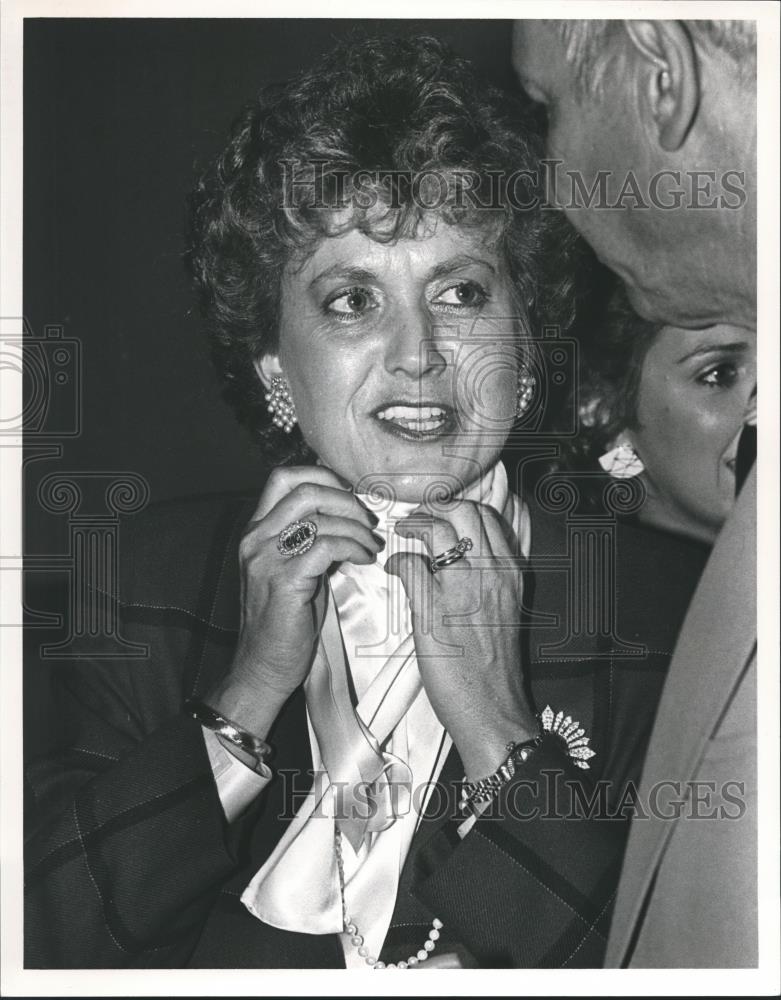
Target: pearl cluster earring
(526,386)
(280,404)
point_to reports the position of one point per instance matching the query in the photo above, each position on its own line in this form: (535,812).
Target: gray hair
(588,48)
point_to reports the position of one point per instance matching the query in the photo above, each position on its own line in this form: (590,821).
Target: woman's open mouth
(415,421)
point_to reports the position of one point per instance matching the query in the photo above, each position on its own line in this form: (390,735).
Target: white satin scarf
(374,761)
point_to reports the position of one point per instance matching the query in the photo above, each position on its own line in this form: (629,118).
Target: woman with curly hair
(370,254)
(667,406)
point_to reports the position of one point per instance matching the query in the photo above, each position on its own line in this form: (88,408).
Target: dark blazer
(131,863)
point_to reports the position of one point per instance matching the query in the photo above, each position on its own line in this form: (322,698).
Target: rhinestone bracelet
(356,938)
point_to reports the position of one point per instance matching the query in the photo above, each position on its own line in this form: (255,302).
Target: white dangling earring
(279,404)
(622,462)
(525,393)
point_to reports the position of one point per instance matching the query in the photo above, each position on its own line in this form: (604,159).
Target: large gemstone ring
(449,556)
(298,537)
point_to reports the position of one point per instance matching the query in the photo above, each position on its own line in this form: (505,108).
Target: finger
(264,546)
(447,532)
(307,499)
(491,547)
(415,576)
(282,481)
(301,573)
(494,532)
(490,533)
(346,527)
(495,555)
(500,532)
(437,534)
(326,551)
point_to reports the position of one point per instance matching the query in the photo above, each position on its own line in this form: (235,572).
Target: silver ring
(297,538)
(447,558)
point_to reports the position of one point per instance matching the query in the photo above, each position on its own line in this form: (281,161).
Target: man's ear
(266,366)
(671,84)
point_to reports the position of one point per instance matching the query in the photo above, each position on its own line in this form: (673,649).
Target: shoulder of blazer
(182,556)
(653,573)
(656,575)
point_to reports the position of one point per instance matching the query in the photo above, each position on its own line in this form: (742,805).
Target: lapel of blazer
(437,834)
(218,598)
(715,644)
(225,607)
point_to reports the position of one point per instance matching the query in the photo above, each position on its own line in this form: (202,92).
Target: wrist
(249,705)
(483,748)
(475,795)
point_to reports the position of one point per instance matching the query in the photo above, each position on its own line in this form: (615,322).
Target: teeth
(420,425)
(413,414)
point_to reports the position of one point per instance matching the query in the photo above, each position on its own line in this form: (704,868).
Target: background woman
(668,405)
(638,496)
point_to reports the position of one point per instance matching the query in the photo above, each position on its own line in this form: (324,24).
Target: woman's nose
(413,343)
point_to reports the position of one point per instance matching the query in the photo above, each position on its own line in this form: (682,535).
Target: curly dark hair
(611,356)
(394,109)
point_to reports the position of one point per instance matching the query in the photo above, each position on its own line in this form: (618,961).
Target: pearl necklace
(356,938)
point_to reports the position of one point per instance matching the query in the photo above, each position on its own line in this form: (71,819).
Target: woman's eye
(351,304)
(720,376)
(464,295)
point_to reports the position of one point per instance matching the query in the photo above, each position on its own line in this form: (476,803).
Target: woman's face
(402,358)
(692,404)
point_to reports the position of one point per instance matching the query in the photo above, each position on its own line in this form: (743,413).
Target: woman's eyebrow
(738,347)
(346,273)
(458,262)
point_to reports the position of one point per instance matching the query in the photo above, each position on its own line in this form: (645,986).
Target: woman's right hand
(282,596)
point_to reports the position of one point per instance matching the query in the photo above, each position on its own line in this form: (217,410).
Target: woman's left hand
(466,624)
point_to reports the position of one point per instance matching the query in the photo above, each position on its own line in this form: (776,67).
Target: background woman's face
(402,358)
(692,404)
